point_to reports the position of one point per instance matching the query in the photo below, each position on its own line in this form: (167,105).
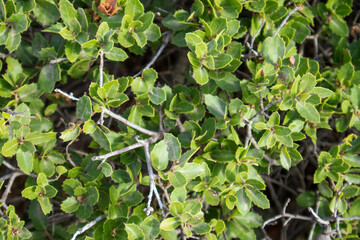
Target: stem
(156,56)
(285,20)
(130,124)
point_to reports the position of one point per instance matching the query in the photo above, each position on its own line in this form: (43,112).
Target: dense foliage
(204,119)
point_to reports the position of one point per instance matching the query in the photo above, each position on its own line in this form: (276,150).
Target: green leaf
(191,170)
(70,205)
(352,160)
(173,146)
(306,199)
(257,197)
(45,204)
(83,109)
(216,106)
(79,69)
(308,111)
(273,48)
(19,22)
(201,228)
(157,96)
(72,50)
(159,156)
(46,12)
(69,15)
(13,40)
(346,72)
(177,179)
(134,9)
(70,133)
(92,196)
(169,223)
(338,26)
(243,203)
(99,136)
(285,159)
(30,192)
(116,54)
(10,147)
(134,232)
(49,75)
(25,161)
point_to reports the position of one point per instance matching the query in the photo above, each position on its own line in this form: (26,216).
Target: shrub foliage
(204,119)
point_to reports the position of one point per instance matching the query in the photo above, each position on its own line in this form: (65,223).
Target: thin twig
(152,61)
(285,20)
(130,124)
(317,218)
(9,185)
(70,96)
(257,33)
(87,226)
(101,82)
(153,188)
(336,208)
(17,114)
(117,152)
(11,167)
(67,153)
(58,60)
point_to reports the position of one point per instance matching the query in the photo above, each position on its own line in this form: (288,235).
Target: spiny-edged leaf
(46,12)
(257,197)
(10,147)
(92,195)
(157,96)
(25,161)
(243,203)
(13,41)
(308,111)
(159,156)
(116,54)
(215,105)
(45,204)
(70,205)
(201,75)
(285,159)
(169,223)
(99,136)
(49,75)
(134,8)
(273,48)
(72,50)
(173,146)
(177,179)
(70,133)
(83,109)
(67,12)
(134,232)
(339,26)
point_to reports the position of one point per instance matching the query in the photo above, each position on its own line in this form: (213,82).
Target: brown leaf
(108,7)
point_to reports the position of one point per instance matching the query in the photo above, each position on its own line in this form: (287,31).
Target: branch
(17,114)
(9,185)
(153,188)
(156,56)
(285,20)
(101,82)
(117,152)
(269,105)
(87,226)
(70,96)
(284,215)
(130,124)
(257,33)
(11,167)
(58,60)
